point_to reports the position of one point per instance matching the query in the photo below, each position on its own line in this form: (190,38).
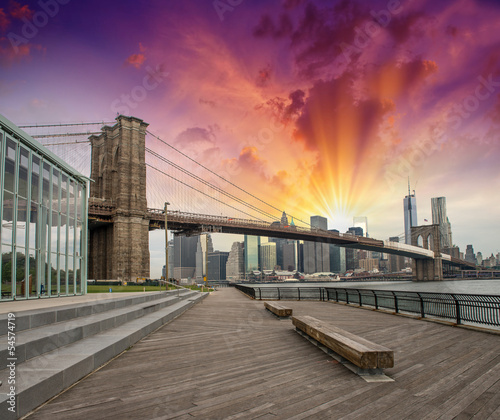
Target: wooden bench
(369,357)
(278,309)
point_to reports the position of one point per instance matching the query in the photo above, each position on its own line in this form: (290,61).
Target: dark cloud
(267,28)
(452,30)
(18,11)
(292,4)
(403,27)
(207,102)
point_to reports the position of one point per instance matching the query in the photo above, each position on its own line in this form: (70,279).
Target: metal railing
(459,308)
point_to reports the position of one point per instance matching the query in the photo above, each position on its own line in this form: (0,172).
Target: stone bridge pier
(427,236)
(119,248)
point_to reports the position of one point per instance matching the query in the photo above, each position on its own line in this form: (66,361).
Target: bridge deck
(229,358)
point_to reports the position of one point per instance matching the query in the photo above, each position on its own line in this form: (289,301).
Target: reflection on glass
(7,218)
(21,223)
(20,274)
(55,190)
(23,173)
(78,244)
(53,274)
(35,178)
(71,236)
(10,160)
(71,275)
(62,274)
(78,275)
(6,270)
(33,277)
(54,235)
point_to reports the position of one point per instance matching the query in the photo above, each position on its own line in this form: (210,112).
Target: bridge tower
(120,250)
(427,269)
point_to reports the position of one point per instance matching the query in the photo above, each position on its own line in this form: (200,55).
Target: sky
(319,107)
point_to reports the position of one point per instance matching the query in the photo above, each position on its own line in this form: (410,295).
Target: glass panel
(23,173)
(21,223)
(10,160)
(62,234)
(79,203)
(62,274)
(64,194)
(53,274)
(54,234)
(7,218)
(55,190)
(46,185)
(33,283)
(6,271)
(35,178)
(33,225)
(71,236)
(44,274)
(78,273)
(20,274)
(71,275)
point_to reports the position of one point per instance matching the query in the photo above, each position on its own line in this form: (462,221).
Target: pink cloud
(19,12)
(4,20)
(137,60)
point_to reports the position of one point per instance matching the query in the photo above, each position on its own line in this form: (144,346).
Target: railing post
(298,291)
(279,297)
(457,309)
(260,294)
(422,312)
(346,296)
(359,294)
(337,295)
(395,302)
(376,299)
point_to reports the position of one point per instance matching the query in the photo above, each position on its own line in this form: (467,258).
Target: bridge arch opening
(420,241)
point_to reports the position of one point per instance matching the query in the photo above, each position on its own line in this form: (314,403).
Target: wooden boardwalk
(229,358)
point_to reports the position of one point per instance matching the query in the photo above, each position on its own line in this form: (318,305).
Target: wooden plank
(361,352)
(278,309)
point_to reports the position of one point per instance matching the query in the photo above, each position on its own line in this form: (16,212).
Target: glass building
(44,220)
(252,250)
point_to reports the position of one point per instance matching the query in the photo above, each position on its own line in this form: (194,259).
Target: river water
(473,287)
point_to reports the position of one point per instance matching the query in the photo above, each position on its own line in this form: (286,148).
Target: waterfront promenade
(228,358)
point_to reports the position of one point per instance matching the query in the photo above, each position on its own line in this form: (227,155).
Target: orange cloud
(19,12)
(137,60)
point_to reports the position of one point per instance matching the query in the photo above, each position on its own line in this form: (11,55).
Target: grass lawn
(117,289)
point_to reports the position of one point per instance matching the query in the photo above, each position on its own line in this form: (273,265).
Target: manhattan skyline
(327,106)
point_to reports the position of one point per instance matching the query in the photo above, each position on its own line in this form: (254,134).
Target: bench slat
(361,352)
(278,309)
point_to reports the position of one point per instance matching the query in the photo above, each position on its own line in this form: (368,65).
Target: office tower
(355,231)
(439,217)
(317,254)
(351,254)
(290,256)
(235,264)
(185,256)
(201,254)
(396,262)
(337,257)
(216,265)
(170,261)
(268,256)
(251,251)
(280,242)
(284,219)
(479,258)
(410,214)
(361,222)
(469,254)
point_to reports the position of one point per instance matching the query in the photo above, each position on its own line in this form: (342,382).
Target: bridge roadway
(228,358)
(192,223)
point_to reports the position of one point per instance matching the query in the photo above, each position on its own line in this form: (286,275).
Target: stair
(55,347)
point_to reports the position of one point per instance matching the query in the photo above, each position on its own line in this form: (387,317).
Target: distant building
(351,254)
(204,241)
(479,258)
(396,262)
(268,256)
(216,265)
(280,242)
(252,253)
(185,257)
(469,255)
(368,264)
(235,264)
(290,256)
(439,217)
(361,222)
(410,215)
(317,254)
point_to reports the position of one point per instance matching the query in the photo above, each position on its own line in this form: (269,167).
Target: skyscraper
(235,262)
(410,214)
(251,251)
(268,256)
(317,254)
(439,217)
(361,222)
(185,256)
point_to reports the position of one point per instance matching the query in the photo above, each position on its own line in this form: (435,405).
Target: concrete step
(35,318)
(41,377)
(36,341)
